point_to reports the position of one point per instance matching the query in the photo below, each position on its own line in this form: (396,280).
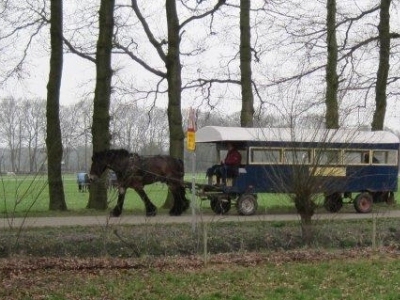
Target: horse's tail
(181,167)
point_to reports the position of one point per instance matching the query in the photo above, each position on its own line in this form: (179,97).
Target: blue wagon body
(339,162)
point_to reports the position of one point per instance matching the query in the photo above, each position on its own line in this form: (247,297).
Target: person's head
(230,145)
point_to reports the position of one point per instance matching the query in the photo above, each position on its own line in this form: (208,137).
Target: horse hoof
(114,213)
(151,214)
(175,213)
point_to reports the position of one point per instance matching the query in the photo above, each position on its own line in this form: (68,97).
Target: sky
(76,81)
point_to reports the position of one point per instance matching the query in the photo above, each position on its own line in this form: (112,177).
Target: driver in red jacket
(228,167)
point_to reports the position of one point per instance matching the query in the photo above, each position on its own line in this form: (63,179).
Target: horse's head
(99,165)
(114,159)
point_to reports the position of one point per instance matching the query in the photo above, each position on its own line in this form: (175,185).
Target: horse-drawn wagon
(338,162)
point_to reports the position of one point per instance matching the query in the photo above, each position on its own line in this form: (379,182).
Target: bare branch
(140,61)
(18,67)
(201,82)
(216,7)
(79,53)
(157,45)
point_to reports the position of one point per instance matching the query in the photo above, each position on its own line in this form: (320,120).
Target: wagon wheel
(333,203)
(220,204)
(363,203)
(247,205)
(387,197)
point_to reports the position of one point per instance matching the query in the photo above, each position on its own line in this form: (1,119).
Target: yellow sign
(191,140)
(191,131)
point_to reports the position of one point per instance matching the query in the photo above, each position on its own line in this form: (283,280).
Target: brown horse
(134,171)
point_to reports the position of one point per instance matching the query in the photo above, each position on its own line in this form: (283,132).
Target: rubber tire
(363,203)
(333,203)
(387,197)
(247,205)
(220,204)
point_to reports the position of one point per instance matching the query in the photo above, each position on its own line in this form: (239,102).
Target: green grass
(22,194)
(376,278)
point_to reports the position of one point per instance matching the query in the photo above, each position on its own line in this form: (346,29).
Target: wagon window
(327,157)
(297,156)
(385,157)
(355,157)
(265,156)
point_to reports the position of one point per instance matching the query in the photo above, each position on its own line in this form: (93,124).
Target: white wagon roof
(210,134)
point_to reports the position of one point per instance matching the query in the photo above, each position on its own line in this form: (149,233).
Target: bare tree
(332,81)
(383,69)
(10,129)
(172,61)
(148,134)
(174,68)
(34,122)
(53,129)
(102,94)
(76,133)
(247,112)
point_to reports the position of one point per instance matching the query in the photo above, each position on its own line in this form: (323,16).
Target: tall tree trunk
(53,137)
(332,82)
(383,69)
(173,65)
(247,112)
(174,68)
(102,94)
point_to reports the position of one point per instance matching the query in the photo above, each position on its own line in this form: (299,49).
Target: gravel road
(186,218)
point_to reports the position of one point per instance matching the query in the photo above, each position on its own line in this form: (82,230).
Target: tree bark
(102,94)
(332,82)
(383,69)
(53,137)
(247,112)
(174,79)
(173,65)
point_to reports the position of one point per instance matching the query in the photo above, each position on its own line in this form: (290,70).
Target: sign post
(191,146)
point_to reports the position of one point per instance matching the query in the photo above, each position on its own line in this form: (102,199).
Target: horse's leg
(151,209)
(116,212)
(182,193)
(180,202)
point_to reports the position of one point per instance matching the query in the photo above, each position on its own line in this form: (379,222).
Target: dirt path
(186,218)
